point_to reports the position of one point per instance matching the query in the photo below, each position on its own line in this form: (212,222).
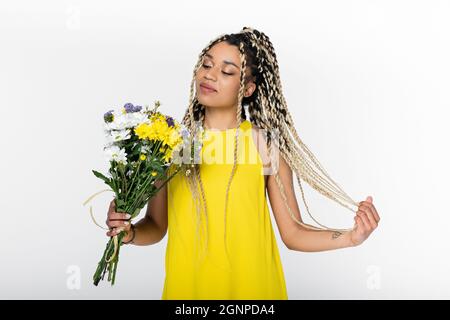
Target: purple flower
(108,116)
(129,107)
(169,121)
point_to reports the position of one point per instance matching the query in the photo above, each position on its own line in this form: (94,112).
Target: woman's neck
(220,118)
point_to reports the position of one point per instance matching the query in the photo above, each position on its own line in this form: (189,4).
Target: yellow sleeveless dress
(254,269)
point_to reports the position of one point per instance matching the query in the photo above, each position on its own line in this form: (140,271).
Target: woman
(224,199)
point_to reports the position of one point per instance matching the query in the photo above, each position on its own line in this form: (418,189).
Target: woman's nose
(210,74)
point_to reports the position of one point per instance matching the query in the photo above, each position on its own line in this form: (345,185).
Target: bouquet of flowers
(141,144)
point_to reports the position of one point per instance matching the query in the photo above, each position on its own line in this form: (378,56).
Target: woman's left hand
(366,221)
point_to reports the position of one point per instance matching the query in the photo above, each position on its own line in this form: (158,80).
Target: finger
(118,216)
(116,231)
(112,232)
(365,208)
(370,215)
(356,225)
(371,218)
(117,223)
(112,204)
(365,221)
(371,208)
(375,214)
(359,224)
(364,203)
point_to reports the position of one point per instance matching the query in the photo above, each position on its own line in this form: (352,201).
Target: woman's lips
(204,89)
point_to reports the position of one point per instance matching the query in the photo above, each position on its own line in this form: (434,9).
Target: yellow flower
(168,155)
(158,117)
(173,138)
(154,173)
(143,157)
(142,131)
(158,130)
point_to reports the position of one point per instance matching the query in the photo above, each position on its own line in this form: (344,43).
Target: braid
(236,138)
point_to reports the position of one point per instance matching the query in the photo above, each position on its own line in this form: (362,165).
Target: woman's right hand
(117,221)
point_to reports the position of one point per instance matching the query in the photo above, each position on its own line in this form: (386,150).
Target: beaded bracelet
(134,234)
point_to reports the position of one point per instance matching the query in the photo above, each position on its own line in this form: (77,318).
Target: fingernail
(128,216)
(126,223)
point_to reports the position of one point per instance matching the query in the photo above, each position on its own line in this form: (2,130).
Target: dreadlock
(268,111)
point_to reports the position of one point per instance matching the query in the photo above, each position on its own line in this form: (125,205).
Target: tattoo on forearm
(336,234)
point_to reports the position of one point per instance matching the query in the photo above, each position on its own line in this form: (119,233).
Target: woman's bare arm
(295,236)
(299,238)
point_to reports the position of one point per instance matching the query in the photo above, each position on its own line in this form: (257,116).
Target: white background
(367,83)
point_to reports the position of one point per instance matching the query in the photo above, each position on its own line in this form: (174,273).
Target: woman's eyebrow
(224,61)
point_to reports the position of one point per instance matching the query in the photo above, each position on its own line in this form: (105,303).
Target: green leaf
(120,203)
(101,176)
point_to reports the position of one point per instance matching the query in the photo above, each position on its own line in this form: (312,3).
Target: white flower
(117,135)
(124,121)
(120,122)
(136,118)
(114,153)
(145,149)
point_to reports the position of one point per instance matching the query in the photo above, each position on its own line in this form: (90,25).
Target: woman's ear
(249,89)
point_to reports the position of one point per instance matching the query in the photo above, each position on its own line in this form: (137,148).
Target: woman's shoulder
(259,136)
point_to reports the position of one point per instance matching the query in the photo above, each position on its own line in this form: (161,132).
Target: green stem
(102,264)
(135,203)
(133,180)
(159,188)
(124,179)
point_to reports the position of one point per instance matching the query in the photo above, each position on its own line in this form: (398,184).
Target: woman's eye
(207,67)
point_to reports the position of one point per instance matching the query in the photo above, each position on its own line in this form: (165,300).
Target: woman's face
(220,70)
